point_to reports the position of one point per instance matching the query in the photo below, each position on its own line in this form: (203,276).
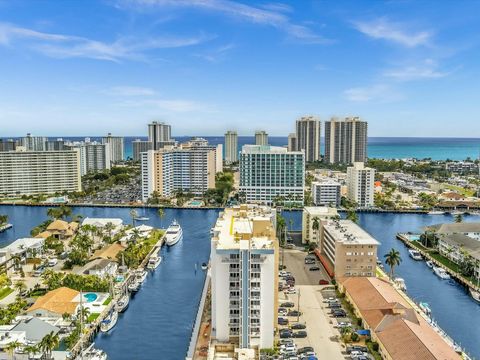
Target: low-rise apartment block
(244,268)
(326,192)
(311,215)
(360,184)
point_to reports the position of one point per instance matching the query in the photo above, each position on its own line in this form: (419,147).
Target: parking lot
(311,299)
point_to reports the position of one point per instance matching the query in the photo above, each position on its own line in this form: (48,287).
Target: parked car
(305,349)
(330,299)
(282,321)
(356,348)
(298,326)
(310,355)
(343,324)
(291,291)
(294,313)
(323,282)
(299,334)
(285,333)
(52,262)
(39,271)
(309,261)
(339,313)
(286,341)
(282,311)
(334,305)
(287,304)
(288,348)
(290,246)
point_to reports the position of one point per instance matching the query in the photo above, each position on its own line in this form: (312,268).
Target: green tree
(316,227)
(11,347)
(133,215)
(393,259)
(61,212)
(458,218)
(3,219)
(52,279)
(161,215)
(49,343)
(352,215)
(281,223)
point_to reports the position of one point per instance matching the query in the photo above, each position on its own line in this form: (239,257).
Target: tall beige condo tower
(231,147)
(345,141)
(360,184)
(308,137)
(261,138)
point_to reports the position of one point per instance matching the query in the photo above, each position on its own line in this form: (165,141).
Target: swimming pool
(90,297)
(196,203)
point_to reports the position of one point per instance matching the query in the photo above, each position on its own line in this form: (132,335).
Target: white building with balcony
(244,263)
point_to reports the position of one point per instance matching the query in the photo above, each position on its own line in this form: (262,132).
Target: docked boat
(400,283)
(173,234)
(142,218)
(91,353)
(415,255)
(474,294)
(153,262)
(429,264)
(109,322)
(436,212)
(134,286)
(122,303)
(425,308)
(441,273)
(457,212)
(140,276)
(204,266)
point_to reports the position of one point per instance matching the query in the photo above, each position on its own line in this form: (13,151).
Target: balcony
(261,259)
(230,260)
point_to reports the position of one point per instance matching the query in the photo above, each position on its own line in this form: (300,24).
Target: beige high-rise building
(261,138)
(308,134)
(360,184)
(231,147)
(39,172)
(292,142)
(349,249)
(116,145)
(345,141)
(190,167)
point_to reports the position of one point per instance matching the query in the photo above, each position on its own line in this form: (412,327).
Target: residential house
(99,267)
(55,303)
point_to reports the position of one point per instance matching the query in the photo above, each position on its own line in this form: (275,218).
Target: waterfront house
(62,230)
(470,229)
(109,252)
(458,248)
(55,303)
(20,247)
(34,329)
(400,332)
(99,267)
(101,223)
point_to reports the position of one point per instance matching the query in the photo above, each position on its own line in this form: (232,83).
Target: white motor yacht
(122,303)
(153,262)
(400,283)
(429,264)
(173,234)
(415,255)
(109,322)
(441,273)
(474,294)
(140,276)
(134,286)
(91,353)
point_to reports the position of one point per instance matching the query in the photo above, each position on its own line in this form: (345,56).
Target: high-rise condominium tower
(231,147)
(261,138)
(308,137)
(158,133)
(345,141)
(116,144)
(360,184)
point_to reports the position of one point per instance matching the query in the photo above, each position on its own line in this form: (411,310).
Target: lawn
(5,292)
(92,317)
(450,264)
(108,301)
(461,190)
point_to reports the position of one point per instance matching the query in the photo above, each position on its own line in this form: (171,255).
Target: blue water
(90,297)
(159,320)
(378,147)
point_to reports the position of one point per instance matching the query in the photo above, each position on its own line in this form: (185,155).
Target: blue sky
(410,68)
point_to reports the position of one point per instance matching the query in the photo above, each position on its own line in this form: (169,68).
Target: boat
(441,273)
(91,353)
(142,218)
(400,283)
(436,212)
(457,212)
(134,286)
(173,234)
(425,308)
(415,255)
(429,264)
(153,262)
(474,294)
(122,303)
(109,322)
(204,266)
(140,276)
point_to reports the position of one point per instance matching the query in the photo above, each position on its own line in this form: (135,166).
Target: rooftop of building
(464,242)
(452,228)
(245,226)
(320,211)
(267,149)
(59,301)
(347,232)
(326,181)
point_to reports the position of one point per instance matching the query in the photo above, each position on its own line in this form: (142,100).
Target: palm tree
(161,215)
(392,258)
(31,349)
(48,343)
(458,218)
(352,215)
(10,348)
(3,219)
(20,286)
(133,215)
(109,227)
(316,226)
(135,235)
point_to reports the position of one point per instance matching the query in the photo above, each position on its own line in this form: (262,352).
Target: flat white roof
(346,231)
(102,221)
(267,149)
(23,244)
(320,210)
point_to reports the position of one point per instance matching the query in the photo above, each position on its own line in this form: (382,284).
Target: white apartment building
(139,146)
(244,269)
(231,147)
(33,143)
(350,249)
(93,156)
(292,142)
(159,132)
(310,213)
(345,141)
(326,192)
(360,184)
(116,145)
(261,138)
(190,167)
(39,172)
(268,173)
(308,132)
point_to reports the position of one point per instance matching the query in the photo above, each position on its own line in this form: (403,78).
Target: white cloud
(271,14)
(169,105)
(427,69)
(129,91)
(386,30)
(377,92)
(67,46)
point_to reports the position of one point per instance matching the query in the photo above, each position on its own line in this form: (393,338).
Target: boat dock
(426,255)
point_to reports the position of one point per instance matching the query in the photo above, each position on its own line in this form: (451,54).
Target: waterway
(160,318)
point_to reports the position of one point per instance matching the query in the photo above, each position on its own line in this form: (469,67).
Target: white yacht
(153,262)
(441,273)
(474,294)
(122,303)
(109,322)
(400,283)
(425,308)
(429,264)
(415,255)
(174,233)
(134,286)
(140,276)
(436,212)
(91,353)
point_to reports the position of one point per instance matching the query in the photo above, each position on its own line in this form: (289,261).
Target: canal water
(158,323)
